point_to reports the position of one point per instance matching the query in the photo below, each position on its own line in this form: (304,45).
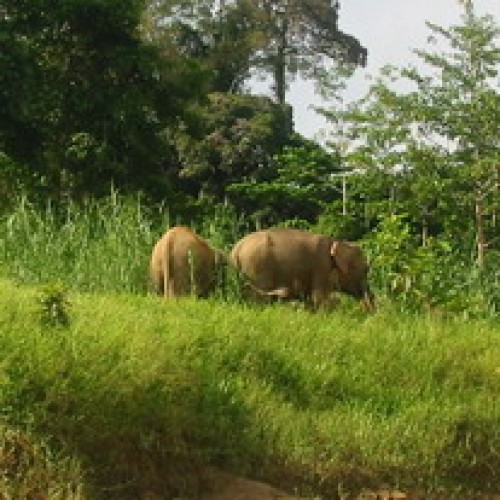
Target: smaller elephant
(183,263)
(295,264)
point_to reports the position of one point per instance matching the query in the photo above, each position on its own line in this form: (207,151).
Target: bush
(436,275)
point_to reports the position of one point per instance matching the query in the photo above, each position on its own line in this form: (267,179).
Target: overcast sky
(390,29)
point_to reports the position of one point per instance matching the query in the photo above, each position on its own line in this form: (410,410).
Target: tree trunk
(425,231)
(279,79)
(280,64)
(481,244)
(344,195)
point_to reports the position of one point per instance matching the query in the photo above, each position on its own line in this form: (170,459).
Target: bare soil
(216,484)
(220,485)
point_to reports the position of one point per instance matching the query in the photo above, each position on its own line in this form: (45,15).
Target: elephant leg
(261,294)
(321,300)
(369,300)
(322,296)
(170,289)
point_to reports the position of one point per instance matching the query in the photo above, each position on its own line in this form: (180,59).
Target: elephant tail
(234,257)
(168,276)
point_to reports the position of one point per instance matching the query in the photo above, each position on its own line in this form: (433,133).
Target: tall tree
(462,104)
(222,37)
(302,36)
(296,187)
(233,139)
(278,37)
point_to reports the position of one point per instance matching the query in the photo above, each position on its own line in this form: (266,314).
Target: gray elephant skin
(183,263)
(297,264)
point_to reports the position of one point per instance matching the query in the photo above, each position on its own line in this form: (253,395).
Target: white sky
(390,29)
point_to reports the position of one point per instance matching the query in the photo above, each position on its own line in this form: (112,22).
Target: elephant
(183,263)
(297,264)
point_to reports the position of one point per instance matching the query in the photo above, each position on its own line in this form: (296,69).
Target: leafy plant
(54,305)
(434,275)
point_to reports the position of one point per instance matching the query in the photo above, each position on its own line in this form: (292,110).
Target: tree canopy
(83,98)
(240,37)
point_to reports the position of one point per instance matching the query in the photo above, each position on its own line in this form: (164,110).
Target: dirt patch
(220,485)
(215,484)
(388,495)
(399,495)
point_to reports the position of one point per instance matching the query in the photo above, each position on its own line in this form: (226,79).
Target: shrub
(436,275)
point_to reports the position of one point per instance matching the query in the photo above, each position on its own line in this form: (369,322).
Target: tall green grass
(105,245)
(100,245)
(134,394)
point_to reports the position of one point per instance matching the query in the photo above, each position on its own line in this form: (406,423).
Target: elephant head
(351,272)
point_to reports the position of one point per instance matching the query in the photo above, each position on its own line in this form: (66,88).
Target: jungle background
(120,119)
(153,100)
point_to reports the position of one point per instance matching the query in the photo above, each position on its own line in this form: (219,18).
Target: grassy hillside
(109,396)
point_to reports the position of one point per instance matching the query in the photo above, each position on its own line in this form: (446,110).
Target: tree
(280,37)
(83,99)
(222,39)
(298,185)
(462,104)
(232,139)
(301,36)
(438,144)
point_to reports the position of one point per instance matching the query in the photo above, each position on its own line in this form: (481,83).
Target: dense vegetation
(151,102)
(120,119)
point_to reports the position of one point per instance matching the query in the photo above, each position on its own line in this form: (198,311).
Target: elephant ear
(340,256)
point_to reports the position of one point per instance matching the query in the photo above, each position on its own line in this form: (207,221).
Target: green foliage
(84,98)
(432,151)
(98,245)
(54,306)
(13,179)
(334,223)
(222,225)
(233,139)
(221,40)
(303,38)
(237,38)
(298,184)
(433,276)
(368,196)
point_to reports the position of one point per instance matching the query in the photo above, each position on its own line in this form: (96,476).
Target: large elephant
(292,263)
(183,263)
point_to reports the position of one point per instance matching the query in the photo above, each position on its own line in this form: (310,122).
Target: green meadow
(107,391)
